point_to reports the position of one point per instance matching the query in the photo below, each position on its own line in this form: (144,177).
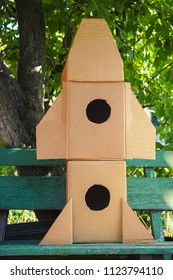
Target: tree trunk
(21,100)
(31,62)
(12,130)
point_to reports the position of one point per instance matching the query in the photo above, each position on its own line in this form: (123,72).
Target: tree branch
(160,71)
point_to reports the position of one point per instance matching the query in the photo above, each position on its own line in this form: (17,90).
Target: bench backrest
(35,192)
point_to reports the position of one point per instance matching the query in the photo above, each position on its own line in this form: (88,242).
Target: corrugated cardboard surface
(51,132)
(89,140)
(94,55)
(140,133)
(61,231)
(133,231)
(90,225)
(66,131)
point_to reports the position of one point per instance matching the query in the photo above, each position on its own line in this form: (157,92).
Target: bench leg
(3,223)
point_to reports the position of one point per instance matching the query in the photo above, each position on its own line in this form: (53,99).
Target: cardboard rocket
(96,123)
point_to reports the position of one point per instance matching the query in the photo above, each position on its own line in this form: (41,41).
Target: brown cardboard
(91,225)
(94,55)
(51,132)
(67,132)
(61,230)
(140,133)
(94,72)
(133,231)
(64,74)
(89,140)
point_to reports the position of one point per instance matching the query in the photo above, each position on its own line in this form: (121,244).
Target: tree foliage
(142,30)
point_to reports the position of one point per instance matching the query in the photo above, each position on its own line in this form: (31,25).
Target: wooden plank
(162,160)
(31,248)
(149,172)
(157,227)
(32,192)
(149,193)
(156,221)
(24,157)
(49,193)
(27,157)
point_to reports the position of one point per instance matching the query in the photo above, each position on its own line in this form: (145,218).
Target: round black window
(98,111)
(97,197)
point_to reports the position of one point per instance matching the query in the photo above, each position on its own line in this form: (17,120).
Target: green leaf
(149,31)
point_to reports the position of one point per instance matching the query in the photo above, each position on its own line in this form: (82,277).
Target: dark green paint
(32,192)
(49,193)
(31,248)
(27,157)
(24,157)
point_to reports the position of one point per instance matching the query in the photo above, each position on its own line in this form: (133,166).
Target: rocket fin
(133,231)
(140,132)
(51,132)
(61,230)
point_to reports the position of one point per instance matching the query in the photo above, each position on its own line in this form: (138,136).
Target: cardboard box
(96,189)
(96,117)
(102,137)
(96,121)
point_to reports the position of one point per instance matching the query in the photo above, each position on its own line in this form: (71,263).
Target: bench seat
(31,248)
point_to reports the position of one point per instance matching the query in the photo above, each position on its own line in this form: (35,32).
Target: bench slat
(27,157)
(151,193)
(32,193)
(31,248)
(24,157)
(162,160)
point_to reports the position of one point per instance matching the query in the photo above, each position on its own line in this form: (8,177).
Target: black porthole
(98,111)
(97,197)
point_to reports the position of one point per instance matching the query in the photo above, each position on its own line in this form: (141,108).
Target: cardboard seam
(96,82)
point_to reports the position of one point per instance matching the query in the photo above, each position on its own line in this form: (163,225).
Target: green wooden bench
(21,240)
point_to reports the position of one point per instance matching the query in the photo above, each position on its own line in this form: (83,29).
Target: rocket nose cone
(94,55)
